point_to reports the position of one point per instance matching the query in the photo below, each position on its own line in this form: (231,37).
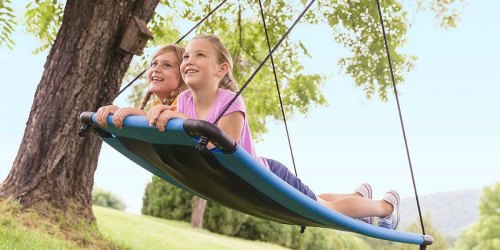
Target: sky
(450,104)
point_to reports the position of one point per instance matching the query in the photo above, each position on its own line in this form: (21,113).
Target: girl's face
(164,75)
(199,67)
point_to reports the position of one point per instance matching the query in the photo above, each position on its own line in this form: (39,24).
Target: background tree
(54,169)
(164,200)
(484,234)
(103,198)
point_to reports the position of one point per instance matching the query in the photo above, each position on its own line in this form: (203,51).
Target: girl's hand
(160,118)
(155,112)
(103,112)
(122,113)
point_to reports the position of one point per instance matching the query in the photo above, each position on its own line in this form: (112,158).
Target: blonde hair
(223,56)
(179,52)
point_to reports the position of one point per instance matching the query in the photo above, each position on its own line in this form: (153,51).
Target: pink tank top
(185,105)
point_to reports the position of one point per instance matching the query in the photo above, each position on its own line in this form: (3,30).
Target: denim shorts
(282,171)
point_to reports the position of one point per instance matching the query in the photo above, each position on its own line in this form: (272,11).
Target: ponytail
(145,99)
(228,83)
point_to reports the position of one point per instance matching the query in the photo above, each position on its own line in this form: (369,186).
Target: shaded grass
(16,236)
(146,232)
(25,229)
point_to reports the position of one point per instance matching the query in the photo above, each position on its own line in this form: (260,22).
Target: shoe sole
(398,200)
(369,188)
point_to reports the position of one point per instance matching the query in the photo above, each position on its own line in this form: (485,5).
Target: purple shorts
(282,172)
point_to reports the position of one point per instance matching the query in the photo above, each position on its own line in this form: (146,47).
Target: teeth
(155,78)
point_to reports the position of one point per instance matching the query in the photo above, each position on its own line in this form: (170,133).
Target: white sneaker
(365,190)
(391,221)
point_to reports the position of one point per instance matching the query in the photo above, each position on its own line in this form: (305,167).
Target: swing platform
(226,174)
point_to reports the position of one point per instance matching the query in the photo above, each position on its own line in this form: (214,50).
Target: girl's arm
(232,125)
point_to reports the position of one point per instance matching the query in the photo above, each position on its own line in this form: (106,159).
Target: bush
(104,198)
(163,200)
(222,220)
(269,231)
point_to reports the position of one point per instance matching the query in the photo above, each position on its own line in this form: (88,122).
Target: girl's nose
(189,61)
(155,68)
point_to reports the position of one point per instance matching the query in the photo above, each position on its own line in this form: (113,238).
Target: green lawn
(119,230)
(146,232)
(15,236)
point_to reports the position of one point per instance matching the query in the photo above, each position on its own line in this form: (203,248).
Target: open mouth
(157,79)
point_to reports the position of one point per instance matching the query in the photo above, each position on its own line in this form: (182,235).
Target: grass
(115,230)
(25,229)
(15,235)
(145,232)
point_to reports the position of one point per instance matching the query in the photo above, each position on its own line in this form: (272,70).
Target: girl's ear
(224,69)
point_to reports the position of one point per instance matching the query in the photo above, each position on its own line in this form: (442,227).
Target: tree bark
(54,168)
(197,212)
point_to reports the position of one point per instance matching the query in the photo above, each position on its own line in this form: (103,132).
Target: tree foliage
(105,198)
(43,19)
(7,24)
(354,24)
(484,235)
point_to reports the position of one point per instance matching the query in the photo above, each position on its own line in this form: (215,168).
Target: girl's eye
(200,55)
(153,64)
(185,57)
(167,65)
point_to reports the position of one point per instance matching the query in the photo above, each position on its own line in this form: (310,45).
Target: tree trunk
(54,168)
(197,212)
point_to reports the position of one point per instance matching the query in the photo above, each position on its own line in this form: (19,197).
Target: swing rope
(400,116)
(277,87)
(263,62)
(178,41)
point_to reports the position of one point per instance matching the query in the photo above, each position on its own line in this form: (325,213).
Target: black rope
(263,62)
(178,41)
(400,116)
(278,87)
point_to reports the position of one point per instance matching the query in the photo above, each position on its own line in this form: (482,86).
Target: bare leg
(358,207)
(334,197)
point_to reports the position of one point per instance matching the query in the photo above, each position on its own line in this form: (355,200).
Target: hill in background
(451,212)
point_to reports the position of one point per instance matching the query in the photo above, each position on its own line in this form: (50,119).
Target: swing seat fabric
(226,174)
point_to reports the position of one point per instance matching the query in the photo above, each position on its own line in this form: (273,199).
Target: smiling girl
(165,82)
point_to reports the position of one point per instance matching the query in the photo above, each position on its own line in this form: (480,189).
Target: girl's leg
(364,190)
(334,197)
(358,207)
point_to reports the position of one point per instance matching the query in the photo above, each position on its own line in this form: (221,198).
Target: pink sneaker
(391,221)
(365,190)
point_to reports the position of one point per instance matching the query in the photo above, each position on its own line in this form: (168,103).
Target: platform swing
(179,155)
